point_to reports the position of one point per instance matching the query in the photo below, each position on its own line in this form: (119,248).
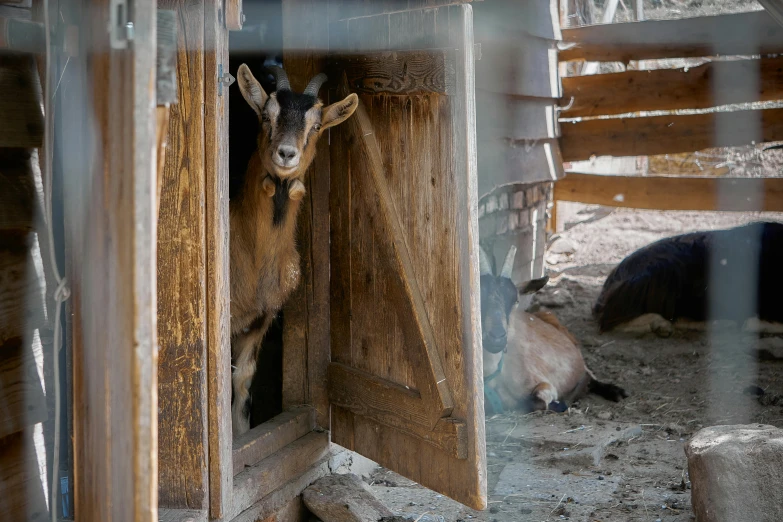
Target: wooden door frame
(109,213)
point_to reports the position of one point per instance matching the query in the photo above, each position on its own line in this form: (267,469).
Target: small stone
(601,477)
(525,511)
(563,246)
(493,509)
(605,415)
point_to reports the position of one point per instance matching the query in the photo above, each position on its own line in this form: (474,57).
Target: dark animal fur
(672,277)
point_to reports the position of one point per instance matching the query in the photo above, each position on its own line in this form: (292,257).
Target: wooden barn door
(405,376)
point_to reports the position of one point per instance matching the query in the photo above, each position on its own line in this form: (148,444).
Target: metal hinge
(121,29)
(224,79)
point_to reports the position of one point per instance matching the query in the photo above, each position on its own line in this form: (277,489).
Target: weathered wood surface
(21,492)
(535,17)
(162,115)
(234,16)
(732,34)
(109,204)
(518,161)
(426,155)
(396,407)
(182,285)
(522,65)
(648,136)
(20,289)
(344,498)
(20,113)
(217,297)
(268,438)
(182,515)
(673,193)
(501,116)
(289,463)
(22,401)
(166,57)
(283,496)
(399,72)
(708,85)
(395,259)
(306,315)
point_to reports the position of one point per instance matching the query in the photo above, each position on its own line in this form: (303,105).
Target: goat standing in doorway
(264,260)
(531,362)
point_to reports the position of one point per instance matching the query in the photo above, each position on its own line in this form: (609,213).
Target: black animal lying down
(733,274)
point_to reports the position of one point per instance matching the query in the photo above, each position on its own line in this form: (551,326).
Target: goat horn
(315,84)
(484,262)
(281,79)
(508,264)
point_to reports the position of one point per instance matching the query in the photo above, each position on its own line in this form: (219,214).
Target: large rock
(344,498)
(735,473)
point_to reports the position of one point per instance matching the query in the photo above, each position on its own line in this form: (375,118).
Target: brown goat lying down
(531,362)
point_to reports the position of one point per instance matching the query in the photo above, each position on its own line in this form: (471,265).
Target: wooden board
(707,85)
(524,66)
(501,116)
(535,17)
(218,296)
(287,464)
(21,492)
(403,189)
(668,134)
(673,193)
(20,111)
(182,266)
(732,34)
(22,400)
(306,315)
(521,161)
(109,207)
(400,72)
(268,438)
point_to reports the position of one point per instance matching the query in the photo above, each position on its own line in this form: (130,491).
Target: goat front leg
(246,347)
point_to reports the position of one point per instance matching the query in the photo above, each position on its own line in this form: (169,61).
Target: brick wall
(516,214)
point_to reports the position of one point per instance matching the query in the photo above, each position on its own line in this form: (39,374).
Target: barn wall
(516,215)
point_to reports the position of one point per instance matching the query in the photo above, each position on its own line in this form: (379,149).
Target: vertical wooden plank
(21,492)
(217,262)
(182,292)
(305,30)
(111,206)
(340,237)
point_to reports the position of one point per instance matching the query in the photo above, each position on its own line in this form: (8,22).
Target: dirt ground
(615,461)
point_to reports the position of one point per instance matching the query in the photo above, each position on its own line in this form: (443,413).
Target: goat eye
(317,127)
(265,118)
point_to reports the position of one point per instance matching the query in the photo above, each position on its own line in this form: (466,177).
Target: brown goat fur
(531,361)
(264,261)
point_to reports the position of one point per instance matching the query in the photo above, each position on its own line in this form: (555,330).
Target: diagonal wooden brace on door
(405,293)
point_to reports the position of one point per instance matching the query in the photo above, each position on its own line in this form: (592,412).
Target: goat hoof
(296,191)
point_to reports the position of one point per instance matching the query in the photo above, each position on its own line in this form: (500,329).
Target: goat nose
(286,152)
(497,333)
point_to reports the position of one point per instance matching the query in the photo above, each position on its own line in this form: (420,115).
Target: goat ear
(338,112)
(534,286)
(251,90)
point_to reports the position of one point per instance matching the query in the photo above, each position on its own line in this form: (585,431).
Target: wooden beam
(412,312)
(21,493)
(20,111)
(672,193)
(400,73)
(235,18)
(722,35)
(774,8)
(254,483)
(218,334)
(22,400)
(394,406)
(267,438)
(648,136)
(670,89)
(183,243)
